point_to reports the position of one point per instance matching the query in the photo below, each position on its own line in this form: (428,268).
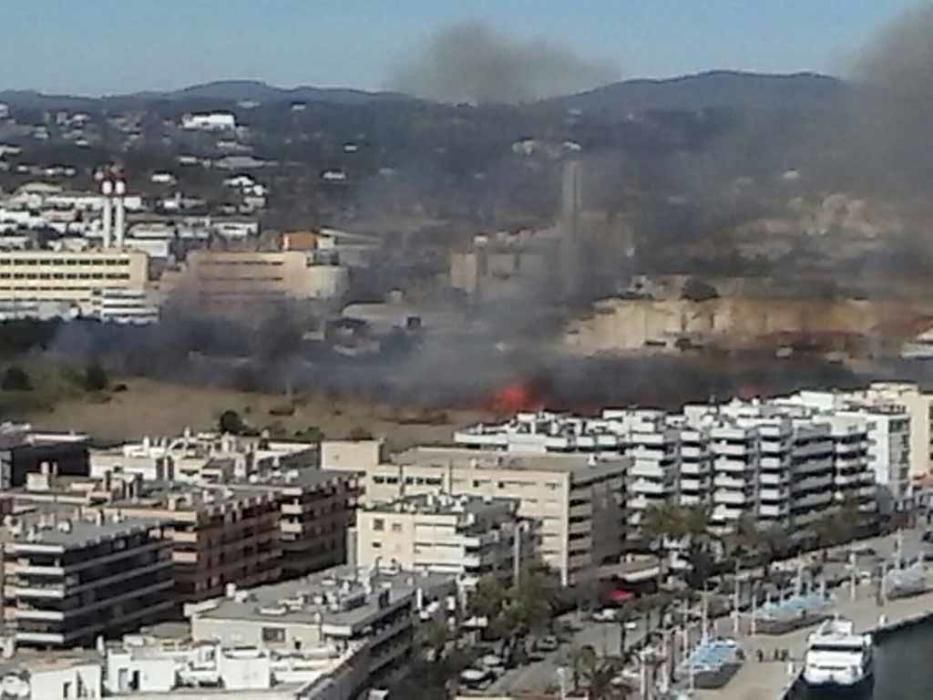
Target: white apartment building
(467,537)
(340,607)
(782,463)
(209,121)
(163,662)
(578,499)
(202,457)
(893,454)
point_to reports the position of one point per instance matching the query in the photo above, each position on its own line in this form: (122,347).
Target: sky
(94,47)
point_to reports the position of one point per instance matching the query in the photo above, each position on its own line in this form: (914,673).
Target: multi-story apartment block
(68,579)
(316,509)
(464,536)
(203,457)
(218,535)
(578,499)
(339,607)
(779,462)
(893,454)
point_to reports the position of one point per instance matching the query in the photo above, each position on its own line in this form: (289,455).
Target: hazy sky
(106,46)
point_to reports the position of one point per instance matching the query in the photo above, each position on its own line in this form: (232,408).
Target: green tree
(433,637)
(310,434)
(15,379)
(595,674)
(360,433)
(230,422)
(95,377)
(488,598)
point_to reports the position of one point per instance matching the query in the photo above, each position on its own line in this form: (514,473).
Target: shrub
(95,377)
(15,379)
(230,422)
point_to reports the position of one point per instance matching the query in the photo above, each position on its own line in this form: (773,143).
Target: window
(273,634)
(396,527)
(379,524)
(377,545)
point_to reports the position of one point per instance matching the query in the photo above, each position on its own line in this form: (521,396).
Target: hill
(712,90)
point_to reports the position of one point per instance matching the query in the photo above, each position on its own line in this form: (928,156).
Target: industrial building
(468,537)
(67,283)
(231,281)
(578,499)
(69,577)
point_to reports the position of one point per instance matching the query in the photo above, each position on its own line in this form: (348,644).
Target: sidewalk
(769,680)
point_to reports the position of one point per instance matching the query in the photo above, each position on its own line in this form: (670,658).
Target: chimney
(119,218)
(106,189)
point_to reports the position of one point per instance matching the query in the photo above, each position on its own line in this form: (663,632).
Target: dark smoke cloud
(893,115)
(472,62)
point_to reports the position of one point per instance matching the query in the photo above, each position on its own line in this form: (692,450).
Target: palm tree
(595,674)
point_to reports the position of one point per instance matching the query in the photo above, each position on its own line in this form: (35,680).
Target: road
(542,674)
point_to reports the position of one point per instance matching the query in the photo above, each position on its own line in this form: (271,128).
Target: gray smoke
(893,119)
(472,62)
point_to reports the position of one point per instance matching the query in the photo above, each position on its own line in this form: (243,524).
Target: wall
(51,684)
(619,325)
(242,632)
(350,455)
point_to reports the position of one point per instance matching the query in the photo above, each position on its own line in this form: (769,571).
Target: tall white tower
(106,189)
(119,218)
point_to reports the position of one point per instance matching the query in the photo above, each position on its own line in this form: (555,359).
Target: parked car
(605,615)
(548,643)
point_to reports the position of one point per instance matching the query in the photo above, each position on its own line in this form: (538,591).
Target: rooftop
(340,596)
(444,504)
(443,457)
(67,528)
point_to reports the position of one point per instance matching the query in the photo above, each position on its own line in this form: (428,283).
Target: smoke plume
(894,116)
(472,62)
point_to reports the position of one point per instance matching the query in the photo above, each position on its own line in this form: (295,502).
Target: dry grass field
(148,407)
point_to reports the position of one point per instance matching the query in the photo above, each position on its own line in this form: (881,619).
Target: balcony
(734,466)
(730,498)
(774,494)
(773,511)
(722,481)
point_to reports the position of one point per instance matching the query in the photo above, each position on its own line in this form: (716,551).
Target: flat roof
(308,600)
(443,504)
(498,459)
(49,528)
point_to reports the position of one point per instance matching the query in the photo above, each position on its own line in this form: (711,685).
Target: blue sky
(105,46)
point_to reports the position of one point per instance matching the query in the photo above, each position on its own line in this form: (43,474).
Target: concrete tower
(106,189)
(119,214)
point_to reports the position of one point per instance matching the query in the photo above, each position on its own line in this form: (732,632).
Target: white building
(339,607)
(209,121)
(578,499)
(201,457)
(467,537)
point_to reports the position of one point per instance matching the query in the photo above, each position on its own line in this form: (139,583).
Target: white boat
(838,657)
